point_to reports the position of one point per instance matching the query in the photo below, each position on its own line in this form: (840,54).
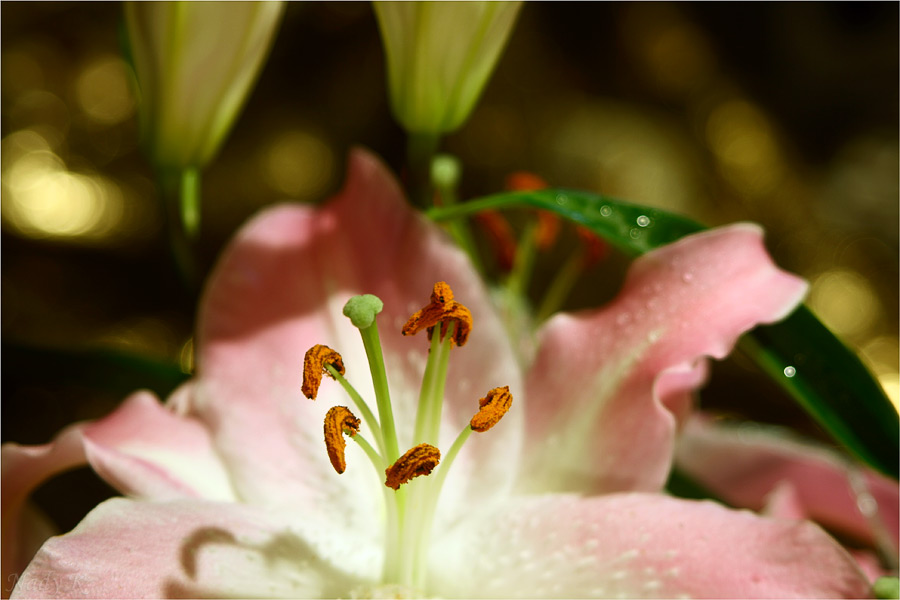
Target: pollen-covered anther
(338,421)
(492,408)
(314,365)
(443,310)
(420,460)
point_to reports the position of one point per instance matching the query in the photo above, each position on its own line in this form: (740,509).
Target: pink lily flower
(231,491)
(763,469)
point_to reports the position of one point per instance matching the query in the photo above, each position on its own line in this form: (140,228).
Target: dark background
(782,113)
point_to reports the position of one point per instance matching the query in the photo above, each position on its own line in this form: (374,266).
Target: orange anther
(594,247)
(500,235)
(420,460)
(523,181)
(314,365)
(548,225)
(492,408)
(339,421)
(442,310)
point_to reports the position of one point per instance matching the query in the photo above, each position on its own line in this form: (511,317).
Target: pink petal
(182,549)
(145,450)
(142,449)
(280,288)
(641,546)
(608,385)
(745,466)
(24,469)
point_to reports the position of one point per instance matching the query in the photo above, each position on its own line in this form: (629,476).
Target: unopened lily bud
(440,55)
(195,63)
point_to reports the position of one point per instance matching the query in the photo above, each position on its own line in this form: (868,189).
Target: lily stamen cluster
(410,511)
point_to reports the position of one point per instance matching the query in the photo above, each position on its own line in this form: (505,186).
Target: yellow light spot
(845,301)
(743,141)
(103,91)
(298,164)
(891,386)
(42,199)
(186,357)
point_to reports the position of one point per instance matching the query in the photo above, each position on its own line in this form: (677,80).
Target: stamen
(314,364)
(548,226)
(500,236)
(420,460)
(595,248)
(443,309)
(492,408)
(339,421)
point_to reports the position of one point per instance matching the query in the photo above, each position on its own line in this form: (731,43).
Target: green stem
(367,414)
(431,394)
(517,282)
(376,459)
(175,186)
(372,343)
(560,287)
(428,501)
(420,149)
(190,202)
(445,176)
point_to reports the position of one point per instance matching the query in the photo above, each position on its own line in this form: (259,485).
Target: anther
(420,460)
(338,421)
(442,310)
(492,408)
(314,365)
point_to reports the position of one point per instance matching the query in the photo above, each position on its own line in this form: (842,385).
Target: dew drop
(623,318)
(562,199)
(643,220)
(687,277)
(634,233)
(605,211)
(790,371)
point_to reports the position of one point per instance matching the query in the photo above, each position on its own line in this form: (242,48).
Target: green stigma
(361,310)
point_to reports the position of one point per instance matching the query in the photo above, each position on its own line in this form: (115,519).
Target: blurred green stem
(180,191)
(420,150)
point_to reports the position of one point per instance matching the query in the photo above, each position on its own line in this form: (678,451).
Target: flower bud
(195,63)
(440,55)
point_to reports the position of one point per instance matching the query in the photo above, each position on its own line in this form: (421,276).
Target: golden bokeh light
(882,355)
(743,142)
(42,199)
(845,301)
(620,151)
(103,91)
(298,164)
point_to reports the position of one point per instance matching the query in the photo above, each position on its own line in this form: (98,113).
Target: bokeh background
(781,113)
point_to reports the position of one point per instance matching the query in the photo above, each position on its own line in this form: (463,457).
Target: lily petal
(147,451)
(24,469)
(179,549)
(608,384)
(643,546)
(142,449)
(280,288)
(751,467)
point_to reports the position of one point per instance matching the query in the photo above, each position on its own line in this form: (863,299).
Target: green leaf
(829,381)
